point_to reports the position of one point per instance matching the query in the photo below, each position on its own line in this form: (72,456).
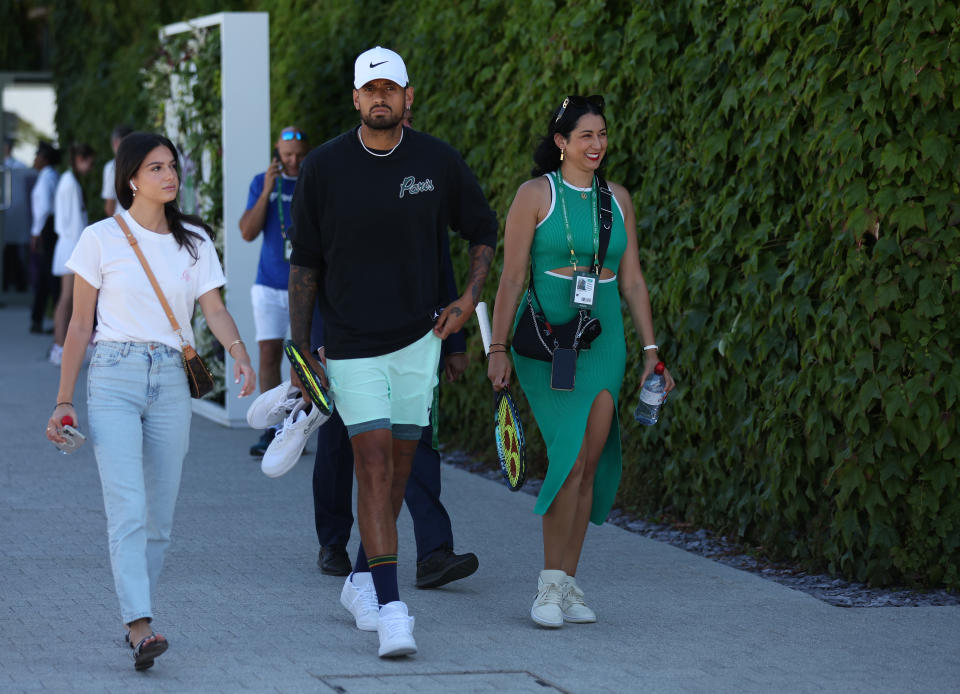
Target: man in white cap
(370,213)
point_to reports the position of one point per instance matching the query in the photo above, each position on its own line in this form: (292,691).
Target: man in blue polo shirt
(268,210)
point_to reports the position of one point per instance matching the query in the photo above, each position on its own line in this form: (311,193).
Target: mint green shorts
(392,391)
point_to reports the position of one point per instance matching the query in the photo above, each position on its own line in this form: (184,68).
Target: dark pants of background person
(333,491)
(15,267)
(46,287)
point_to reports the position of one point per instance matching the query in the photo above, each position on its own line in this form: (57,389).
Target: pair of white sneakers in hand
(300,419)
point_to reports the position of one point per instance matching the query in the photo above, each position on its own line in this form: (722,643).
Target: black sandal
(147,650)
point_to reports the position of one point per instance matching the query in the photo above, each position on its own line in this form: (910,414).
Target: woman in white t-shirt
(138,401)
(69,219)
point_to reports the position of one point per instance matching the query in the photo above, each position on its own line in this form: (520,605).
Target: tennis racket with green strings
(308,377)
(507,427)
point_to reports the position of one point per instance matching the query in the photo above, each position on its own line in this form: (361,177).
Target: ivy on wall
(183,83)
(795,172)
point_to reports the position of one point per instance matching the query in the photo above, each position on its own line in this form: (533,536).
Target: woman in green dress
(552,228)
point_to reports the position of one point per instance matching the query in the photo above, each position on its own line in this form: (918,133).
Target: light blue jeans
(139,412)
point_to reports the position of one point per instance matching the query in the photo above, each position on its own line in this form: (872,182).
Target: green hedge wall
(794,169)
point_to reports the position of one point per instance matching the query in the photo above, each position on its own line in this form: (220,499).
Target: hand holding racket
(311,381)
(498,366)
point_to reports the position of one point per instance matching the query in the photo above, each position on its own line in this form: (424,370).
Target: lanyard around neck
(280,216)
(593,216)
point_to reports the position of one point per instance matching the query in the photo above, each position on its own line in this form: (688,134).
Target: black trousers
(333,490)
(46,287)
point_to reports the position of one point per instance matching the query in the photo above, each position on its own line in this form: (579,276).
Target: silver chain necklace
(370,151)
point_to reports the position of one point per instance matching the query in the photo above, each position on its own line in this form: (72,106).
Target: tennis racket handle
(483,318)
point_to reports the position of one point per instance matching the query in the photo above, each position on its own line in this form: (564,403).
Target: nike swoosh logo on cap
(372,65)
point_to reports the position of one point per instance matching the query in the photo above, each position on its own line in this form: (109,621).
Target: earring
(561,155)
(133,187)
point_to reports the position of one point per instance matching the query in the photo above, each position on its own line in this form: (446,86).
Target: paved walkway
(246,609)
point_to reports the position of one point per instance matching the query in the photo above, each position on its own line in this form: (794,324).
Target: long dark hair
(546,157)
(133,149)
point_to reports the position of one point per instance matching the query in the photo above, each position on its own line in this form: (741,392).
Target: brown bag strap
(151,277)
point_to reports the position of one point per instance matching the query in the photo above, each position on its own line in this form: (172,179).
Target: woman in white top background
(69,219)
(42,237)
(138,400)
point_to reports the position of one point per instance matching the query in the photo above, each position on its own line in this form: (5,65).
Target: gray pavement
(246,609)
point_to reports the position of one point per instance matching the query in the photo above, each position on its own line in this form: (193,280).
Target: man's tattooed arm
(480,259)
(303,287)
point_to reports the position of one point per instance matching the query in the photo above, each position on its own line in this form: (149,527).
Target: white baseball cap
(379,64)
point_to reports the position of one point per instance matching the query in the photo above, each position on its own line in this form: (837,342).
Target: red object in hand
(67,420)
(658,369)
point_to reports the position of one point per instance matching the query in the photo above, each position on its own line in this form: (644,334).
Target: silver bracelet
(649,347)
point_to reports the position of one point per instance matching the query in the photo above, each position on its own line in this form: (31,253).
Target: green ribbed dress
(562,415)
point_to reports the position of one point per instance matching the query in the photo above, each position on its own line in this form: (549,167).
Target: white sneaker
(56,354)
(360,598)
(396,631)
(572,606)
(270,408)
(287,446)
(546,608)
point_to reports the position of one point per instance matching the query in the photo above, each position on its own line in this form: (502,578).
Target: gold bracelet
(235,342)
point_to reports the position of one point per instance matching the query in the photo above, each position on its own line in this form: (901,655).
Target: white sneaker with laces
(546,607)
(287,446)
(396,631)
(360,599)
(572,606)
(270,408)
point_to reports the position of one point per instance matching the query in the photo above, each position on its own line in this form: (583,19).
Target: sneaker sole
(398,651)
(574,620)
(452,573)
(544,623)
(280,471)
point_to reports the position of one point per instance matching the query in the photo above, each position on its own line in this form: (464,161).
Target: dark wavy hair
(131,153)
(546,157)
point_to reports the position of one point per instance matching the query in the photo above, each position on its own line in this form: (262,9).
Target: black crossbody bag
(535,337)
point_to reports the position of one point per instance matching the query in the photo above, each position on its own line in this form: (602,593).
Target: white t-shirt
(108,191)
(128,310)
(69,220)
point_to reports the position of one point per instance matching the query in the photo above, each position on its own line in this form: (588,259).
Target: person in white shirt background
(108,190)
(42,237)
(69,219)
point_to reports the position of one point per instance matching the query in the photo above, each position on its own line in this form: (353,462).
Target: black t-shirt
(374,227)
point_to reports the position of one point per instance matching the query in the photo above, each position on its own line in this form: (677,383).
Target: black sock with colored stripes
(384,570)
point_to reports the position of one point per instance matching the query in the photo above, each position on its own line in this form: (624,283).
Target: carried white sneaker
(270,408)
(572,606)
(360,599)
(396,631)
(287,446)
(546,607)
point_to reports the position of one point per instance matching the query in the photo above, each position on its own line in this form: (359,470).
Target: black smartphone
(564,372)
(276,158)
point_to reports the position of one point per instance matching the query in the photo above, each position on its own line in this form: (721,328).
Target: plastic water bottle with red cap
(72,438)
(652,396)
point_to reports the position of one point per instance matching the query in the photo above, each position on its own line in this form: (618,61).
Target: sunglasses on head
(292,135)
(579,101)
